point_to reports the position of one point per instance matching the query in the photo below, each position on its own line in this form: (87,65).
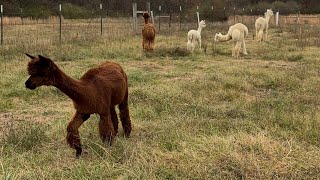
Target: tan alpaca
(148,33)
(237,33)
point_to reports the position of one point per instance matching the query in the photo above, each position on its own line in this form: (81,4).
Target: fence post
(21,16)
(60,22)
(234,15)
(242,15)
(152,19)
(212,14)
(148,7)
(170,18)
(101,18)
(134,15)
(277,18)
(180,18)
(1,23)
(159,17)
(198,16)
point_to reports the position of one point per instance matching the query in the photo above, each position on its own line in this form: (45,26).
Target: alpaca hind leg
(237,49)
(114,119)
(265,34)
(106,129)
(125,116)
(260,35)
(233,49)
(73,137)
(243,45)
(152,44)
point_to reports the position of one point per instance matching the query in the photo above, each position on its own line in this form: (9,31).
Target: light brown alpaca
(148,33)
(99,90)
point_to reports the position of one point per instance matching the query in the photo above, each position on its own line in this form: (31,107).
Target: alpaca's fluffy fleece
(148,33)
(194,36)
(262,25)
(237,33)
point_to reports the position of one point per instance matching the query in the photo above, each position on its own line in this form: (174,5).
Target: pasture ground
(195,116)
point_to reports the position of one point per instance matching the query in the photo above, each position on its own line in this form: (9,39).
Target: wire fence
(18,30)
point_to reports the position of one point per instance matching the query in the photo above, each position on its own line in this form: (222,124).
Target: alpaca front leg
(199,42)
(106,129)
(73,137)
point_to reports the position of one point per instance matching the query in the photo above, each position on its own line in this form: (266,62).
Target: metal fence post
(180,18)
(234,15)
(159,17)
(212,14)
(101,19)
(60,22)
(1,23)
(198,16)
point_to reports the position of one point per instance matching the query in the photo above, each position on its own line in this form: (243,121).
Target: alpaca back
(261,24)
(148,31)
(236,35)
(193,35)
(239,26)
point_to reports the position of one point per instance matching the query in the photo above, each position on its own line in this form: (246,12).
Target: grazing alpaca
(99,90)
(262,25)
(194,36)
(237,33)
(148,33)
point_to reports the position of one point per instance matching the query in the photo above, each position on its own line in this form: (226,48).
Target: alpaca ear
(31,57)
(43,61)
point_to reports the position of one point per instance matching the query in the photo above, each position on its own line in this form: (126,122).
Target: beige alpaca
(237,33)
(262,25)
(194,37)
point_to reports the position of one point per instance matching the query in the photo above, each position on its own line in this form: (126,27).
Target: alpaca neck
(268,17)
(223,38)
(199,29)
(146,20)
(72,88)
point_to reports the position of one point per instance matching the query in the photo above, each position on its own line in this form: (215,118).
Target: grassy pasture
(195,116)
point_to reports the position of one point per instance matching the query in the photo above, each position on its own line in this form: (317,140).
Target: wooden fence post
(134,15)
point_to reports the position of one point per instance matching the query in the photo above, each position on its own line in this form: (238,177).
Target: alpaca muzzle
(29,85)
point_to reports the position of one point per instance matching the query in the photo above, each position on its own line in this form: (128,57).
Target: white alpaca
(237,33)
(262,25)
(194,36)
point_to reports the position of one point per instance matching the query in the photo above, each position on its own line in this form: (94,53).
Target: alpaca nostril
(29,85)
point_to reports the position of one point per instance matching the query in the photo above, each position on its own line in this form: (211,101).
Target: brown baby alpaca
(148,33)
(99,90)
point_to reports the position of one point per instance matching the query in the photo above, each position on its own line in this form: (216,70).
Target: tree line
(89,8)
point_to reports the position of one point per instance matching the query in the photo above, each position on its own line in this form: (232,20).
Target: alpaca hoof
(78,151)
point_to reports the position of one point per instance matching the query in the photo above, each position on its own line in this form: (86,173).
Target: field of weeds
(195,116)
